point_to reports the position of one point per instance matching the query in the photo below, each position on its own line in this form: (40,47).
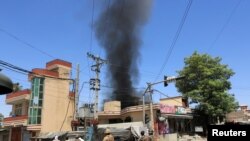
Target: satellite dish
(6,85)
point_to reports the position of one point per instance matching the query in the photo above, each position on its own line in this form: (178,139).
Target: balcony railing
(15,121)
(18,93)
(16,96)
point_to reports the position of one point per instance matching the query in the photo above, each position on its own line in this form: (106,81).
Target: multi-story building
(47,107)
(17,122)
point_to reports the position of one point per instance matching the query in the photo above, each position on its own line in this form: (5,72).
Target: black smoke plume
(118,31)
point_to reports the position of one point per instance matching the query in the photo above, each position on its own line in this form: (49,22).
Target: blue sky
(62,29)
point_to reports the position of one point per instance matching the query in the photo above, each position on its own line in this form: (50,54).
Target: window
(18,110)
(36,101)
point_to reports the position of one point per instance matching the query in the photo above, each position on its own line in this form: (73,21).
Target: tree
(206,84)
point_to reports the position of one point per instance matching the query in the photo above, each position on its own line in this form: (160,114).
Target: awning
(50,135)
(177,116)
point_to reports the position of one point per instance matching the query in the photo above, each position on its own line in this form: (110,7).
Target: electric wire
(27,72)
(15,37)
(177,34)
(91,40)
(224,26)
(65,115)
(25,42)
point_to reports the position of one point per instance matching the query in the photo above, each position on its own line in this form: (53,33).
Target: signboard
(198,129)
(167,109)
(180,110)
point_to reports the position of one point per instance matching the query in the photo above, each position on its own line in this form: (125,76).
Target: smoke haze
(118,32)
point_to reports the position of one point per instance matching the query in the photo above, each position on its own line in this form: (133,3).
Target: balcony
(15,121)
(19,96)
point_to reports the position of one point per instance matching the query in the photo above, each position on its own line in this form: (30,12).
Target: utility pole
(149,89)
(77,91)
(95,82)
(151,107)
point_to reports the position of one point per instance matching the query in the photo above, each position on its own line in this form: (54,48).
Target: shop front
(174,119)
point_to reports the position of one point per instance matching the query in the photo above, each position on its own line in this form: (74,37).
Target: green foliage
(207,83)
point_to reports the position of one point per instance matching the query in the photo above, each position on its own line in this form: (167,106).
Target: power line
(65,115)
(13,69)
(91,39)
(25,42)
(224,26)
(175,39)
(27,72)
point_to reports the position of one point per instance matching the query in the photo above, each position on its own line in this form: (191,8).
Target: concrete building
(47,107)
(242,115)
(17,122)
(171,115)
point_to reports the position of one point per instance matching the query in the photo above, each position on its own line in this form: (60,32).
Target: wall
(55,104)
(26,136)
(25,108)
(4,136)
(172,101)
(136,116)
(112,106)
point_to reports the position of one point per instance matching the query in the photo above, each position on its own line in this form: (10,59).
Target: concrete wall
(25,107)
(26,136)
(55,104)
(4,136)
(136,116)
(112,106)
(176,101)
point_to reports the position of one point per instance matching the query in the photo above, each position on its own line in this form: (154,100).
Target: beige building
(171,115)
(47,107)
(240,116)
(113,113)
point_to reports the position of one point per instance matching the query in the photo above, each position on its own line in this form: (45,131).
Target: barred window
(18,110)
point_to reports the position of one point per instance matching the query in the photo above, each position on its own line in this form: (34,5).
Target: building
(242,115)
(171,115)
(1,120)
(175,116)
(17,122)
(47,107)
(4,134)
